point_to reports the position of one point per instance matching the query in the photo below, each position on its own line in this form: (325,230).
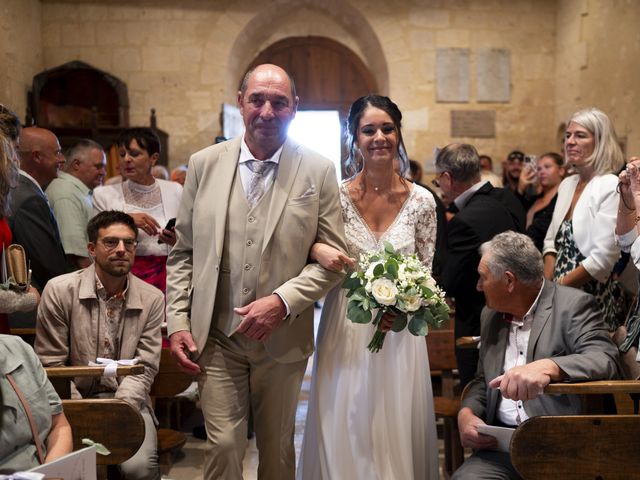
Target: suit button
(249,243)
(251,219)
(217,268)
(247,267)
(245,290)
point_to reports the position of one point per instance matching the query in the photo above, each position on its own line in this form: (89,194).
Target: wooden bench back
(61,377)
(114,423)
(170,380)
(580,446)
(442,349)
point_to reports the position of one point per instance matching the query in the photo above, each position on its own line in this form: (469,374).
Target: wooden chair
(114,423)
(169,382)
(583,446)
(442,361)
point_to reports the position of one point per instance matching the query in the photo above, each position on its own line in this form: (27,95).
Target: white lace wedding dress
(370,415)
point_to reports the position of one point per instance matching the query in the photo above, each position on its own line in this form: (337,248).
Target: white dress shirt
(511,412)
(245,172)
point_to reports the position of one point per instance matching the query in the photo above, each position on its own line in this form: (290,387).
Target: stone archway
(333,19)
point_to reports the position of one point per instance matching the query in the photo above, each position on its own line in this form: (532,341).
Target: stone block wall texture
(185,58)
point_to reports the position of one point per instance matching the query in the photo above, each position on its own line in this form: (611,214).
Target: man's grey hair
(516,253)
(247,76)
(461,160)
(80,150)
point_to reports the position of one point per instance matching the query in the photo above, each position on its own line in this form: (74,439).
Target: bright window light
(319,130)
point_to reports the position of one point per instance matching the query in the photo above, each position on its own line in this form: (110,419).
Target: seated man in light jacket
(104,311)
(534,332)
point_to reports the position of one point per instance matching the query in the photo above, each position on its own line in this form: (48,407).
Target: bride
(371,415)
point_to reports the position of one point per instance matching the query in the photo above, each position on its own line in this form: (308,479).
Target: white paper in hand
(502,434)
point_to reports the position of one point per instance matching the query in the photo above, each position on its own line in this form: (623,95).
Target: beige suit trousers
(238,373)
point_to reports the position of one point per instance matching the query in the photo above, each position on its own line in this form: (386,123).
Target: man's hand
(526,382)
(469,435)
(182,346)
(261,317)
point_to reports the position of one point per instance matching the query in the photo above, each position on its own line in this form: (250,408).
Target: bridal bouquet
(389,281)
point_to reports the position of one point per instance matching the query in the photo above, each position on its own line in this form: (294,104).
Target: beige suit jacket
(305,208)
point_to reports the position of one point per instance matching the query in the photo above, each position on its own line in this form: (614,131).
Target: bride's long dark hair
(353,163)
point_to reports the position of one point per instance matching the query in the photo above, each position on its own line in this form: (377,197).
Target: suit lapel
(223,175)
(287,170)
(540,317)
(493,360)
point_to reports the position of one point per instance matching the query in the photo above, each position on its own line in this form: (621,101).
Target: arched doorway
(328,75)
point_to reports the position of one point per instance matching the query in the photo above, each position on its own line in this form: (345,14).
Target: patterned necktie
(257,186)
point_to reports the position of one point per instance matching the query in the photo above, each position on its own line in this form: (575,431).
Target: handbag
(16,267)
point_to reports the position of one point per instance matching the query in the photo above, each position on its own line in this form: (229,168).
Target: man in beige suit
(240,291)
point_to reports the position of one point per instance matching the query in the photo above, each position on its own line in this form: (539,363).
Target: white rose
(369,273)
(413,302)
(384,291)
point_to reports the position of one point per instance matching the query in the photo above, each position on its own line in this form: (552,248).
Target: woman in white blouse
(580,248)
(151,202)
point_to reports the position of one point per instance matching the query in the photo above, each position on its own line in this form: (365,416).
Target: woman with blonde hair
(580,248)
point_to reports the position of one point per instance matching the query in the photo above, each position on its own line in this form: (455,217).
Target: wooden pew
(578,446)
(169,382)
(442,361)
(114,423)
(61,377)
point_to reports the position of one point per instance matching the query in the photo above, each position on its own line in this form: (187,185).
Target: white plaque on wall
(493,75)
(452,75)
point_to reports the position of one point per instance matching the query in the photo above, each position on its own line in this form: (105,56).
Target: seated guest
(70,197)
(151,202)
(534,332)
(21,371)
(105,311)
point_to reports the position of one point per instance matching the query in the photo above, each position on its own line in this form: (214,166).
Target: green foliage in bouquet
(389,281)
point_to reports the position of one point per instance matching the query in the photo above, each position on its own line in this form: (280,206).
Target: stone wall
(185,58)
(597,63)
(20,50)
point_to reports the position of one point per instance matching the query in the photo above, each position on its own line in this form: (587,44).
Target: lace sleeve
(426,226)
(11,301)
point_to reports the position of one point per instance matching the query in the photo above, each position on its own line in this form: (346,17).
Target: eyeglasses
(436,181)
(111,243)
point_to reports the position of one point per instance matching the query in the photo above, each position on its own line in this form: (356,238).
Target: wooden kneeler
(114,423)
